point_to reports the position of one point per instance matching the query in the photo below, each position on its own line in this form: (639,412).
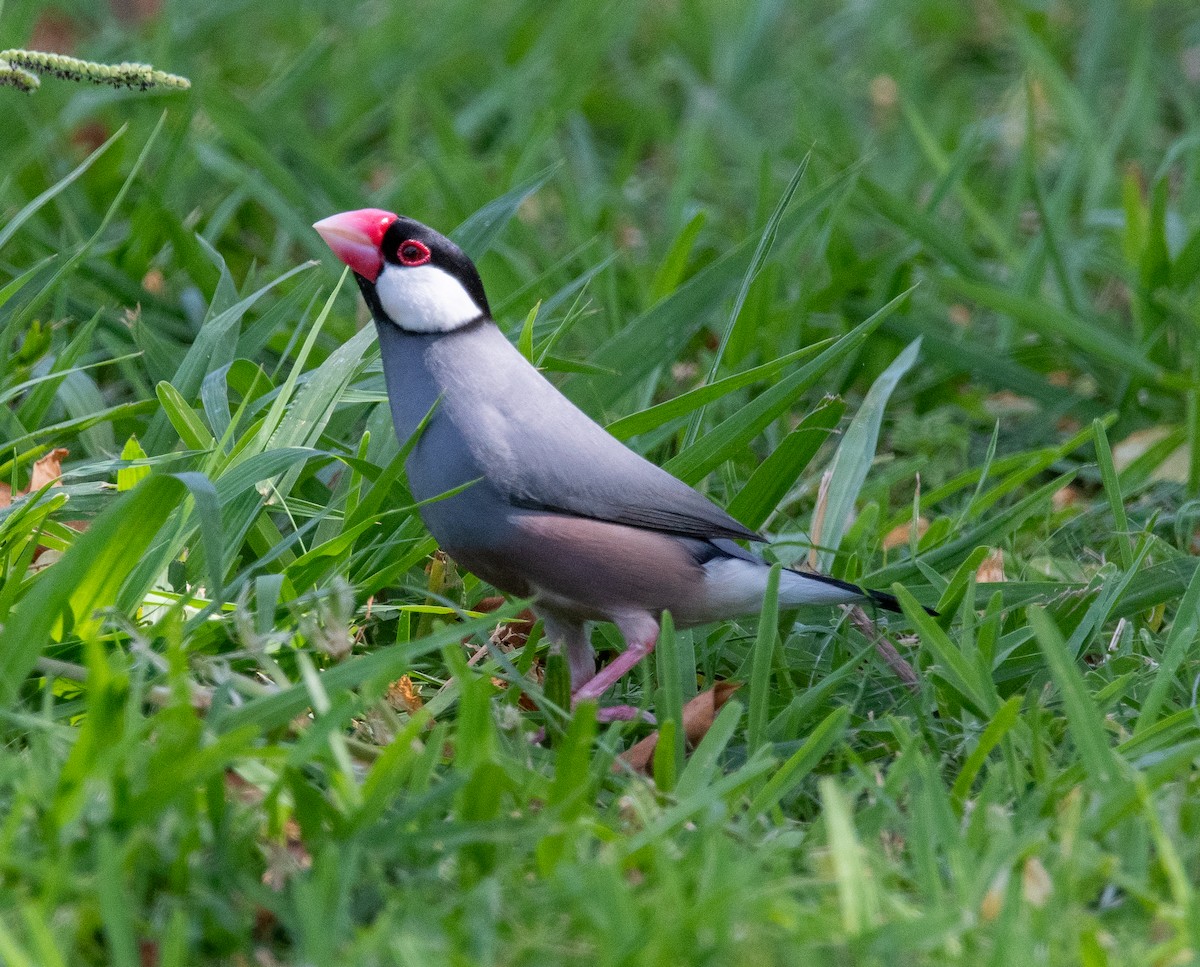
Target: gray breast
(441,459)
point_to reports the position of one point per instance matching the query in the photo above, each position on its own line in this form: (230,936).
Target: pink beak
(356,238)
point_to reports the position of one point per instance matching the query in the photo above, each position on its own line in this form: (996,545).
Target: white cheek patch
(423,298)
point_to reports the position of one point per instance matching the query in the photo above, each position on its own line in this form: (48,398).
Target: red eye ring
(412,252)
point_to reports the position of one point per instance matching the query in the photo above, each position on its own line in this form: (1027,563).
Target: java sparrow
(554,508)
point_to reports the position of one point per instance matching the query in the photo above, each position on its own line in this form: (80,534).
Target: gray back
(498,418)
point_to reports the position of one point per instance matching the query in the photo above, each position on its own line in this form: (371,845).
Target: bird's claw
(624,713)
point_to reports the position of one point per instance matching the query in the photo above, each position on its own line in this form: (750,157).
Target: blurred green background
(955,144)
(208,774)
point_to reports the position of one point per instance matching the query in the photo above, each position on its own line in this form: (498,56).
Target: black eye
(412,252)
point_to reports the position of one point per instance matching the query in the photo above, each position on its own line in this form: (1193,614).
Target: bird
(537,499)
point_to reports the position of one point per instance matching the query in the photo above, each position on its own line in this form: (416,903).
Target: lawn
(913,287)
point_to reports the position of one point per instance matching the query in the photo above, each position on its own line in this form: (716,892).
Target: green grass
(971,233)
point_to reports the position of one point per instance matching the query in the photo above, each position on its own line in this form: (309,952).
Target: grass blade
(735,432)
(86,579)
(766,240)
(762,659)
(856,453)
(802,762)
(1083,717)
(478,233)
(13,225)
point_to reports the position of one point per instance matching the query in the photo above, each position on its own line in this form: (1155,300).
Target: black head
(409,274)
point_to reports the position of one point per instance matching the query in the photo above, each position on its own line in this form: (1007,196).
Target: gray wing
(542,452)
(622,492)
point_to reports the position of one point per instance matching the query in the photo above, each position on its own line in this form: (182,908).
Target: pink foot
(623,713)
(641,635)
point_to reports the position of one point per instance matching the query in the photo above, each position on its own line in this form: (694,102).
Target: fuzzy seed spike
(131,75)
(19,78)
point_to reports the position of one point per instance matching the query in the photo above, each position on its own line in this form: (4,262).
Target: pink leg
(571,637)
(622,713)
(640,631)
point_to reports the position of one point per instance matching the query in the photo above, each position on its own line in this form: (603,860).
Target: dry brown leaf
(242,790)
(1065,497)
(88,136)
(43,557)
(48,470)
(818,519)
(1036,885)
(403,696)
(992,904)
(135,11)
(684,371)
(380,176)
(154,282)
(1126,451)
(512,634)
(698,717)
(509,636)
(892,842)
(283,859)
(900,536)
(1008,403)
(885,92)
(629,236)
(56,31)
(991,568)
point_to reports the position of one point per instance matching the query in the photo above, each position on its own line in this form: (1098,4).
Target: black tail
(881,598)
